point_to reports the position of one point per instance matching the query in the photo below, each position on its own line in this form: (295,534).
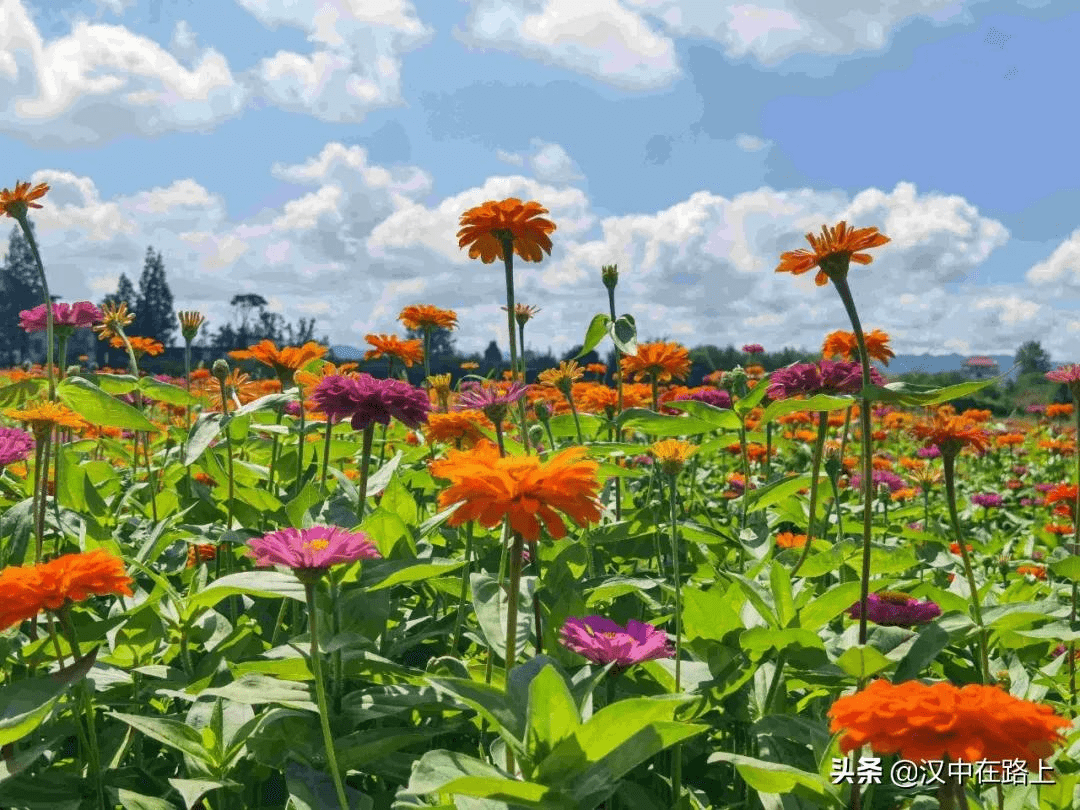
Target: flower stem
(460,620)
(365,462)
(511,622)
(819,446)
(300,448)
(508,262)
(320,696)
(949,462)
(86,699)
(676,754)
(1075,550)
(326,453)
(618,381)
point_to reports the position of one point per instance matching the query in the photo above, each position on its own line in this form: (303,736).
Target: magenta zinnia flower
(891,608)
(753,348)
(987,499)
(487,398)
(311,550)
(893,481)
(369,400)
(15,445)
(603,641)
(823,377)
(928,452)
(1065,374)
(710,396)
(80,315)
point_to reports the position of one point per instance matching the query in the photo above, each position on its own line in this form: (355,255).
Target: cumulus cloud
(355,62)
(549,162)
(598,38)
(750,143)
(1061,270)
(359,241)
(102,81)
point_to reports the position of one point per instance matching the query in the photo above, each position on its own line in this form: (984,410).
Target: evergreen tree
(125,293)
(20,288)
(492,355)
(1033,358)
(154,316)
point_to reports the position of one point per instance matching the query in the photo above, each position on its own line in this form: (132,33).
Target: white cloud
(598,38)
(549,162)
(750,143)
(184,43)
(102,81)
(1062,268)
(355,64)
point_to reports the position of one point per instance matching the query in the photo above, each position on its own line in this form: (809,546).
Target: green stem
(365,462)
(819,446)
(86,700)
(274,448)
(326,453)
(427,350)
(511,622)
(508,262)
(676,755)
(577,421)
(300,448)
(618,381)
(460,620)
(320,696)
(949,461)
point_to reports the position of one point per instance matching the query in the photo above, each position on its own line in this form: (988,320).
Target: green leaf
(829,605)
(661,424)
(24,705)
(137,801)
(268,584)
(172,733)
(204,431)
(98,408)
(192,790)
(818,402)
(720,418)
(931,640)
(552,714)
(264,403)
(902,393)
(784,601)
(757,640)
(863,661)
(297,508)
(166,392)
(1067,568)
(772,777)
(508,717)
(751,400)
(594,334)
(255,689)
(779,490)
(624,334)
(491,608)
(381,477)
(237,427)
(450,772)
(116,383)
(418,573)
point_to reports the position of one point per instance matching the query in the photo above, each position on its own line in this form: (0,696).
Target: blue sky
(319,153)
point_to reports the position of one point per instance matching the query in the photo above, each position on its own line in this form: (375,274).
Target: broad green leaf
(901,393)
(116,383)
(757,640)
(661,424)
(192,790)
(814,404)
(267,402)
(783,488)
(166,392)
(98,408)
(623,333)
(492,612)
(450,772)
(268,584)
(720,418)
(552,714)
(172,733)
(784,601)
(418,573)
(492,702)
(255,689)
(863,661)
(25,704)
(829,605)
(204,431)
(930,641)
(772,777)
(594,334)
(137,801)
(1067,568)
(752,399)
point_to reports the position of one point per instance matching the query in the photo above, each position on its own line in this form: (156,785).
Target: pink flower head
(823,377)
(15,445)
(710,396)
(369,400)
(891,608)
(311,550)
(753,348)
(80,315)
(603,641)
(1065,374)
(987,499)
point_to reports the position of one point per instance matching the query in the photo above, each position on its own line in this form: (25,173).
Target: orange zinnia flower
(922,722)
(139,345)
(45,415)
(951,433)
(844,345)
(1056,409)
(790,540)
(659,361)
(200,552)
(524,490)
(286,360)
(839,243)
(15,203)
(308,379)
(421,316)
(1037,571)
(484,228)
(462,426)
(672,454)
(27,590)
(407,351)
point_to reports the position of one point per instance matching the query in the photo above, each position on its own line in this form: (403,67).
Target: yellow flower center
(316,545)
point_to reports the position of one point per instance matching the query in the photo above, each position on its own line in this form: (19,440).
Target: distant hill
(936,363)
(347,352)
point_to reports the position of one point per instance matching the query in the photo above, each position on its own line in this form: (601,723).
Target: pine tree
(125,293)
(20,288)
(154,316)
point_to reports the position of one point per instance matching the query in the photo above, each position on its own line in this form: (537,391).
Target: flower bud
(542,411)
(220,369)
(609,273)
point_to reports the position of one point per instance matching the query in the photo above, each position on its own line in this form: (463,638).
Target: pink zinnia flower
(823,377)
(987,499)
(80,315)
(369,400)
(891,608)
(311,550)
(753,348)
(1065,374)
(710,396)
(15,445)
(603,641)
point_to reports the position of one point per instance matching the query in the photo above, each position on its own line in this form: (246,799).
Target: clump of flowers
(603,641)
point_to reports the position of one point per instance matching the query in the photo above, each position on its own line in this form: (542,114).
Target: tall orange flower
(658,361)
(285,361)
(524,490)
(462,426)
(15,203)
(951,434)
(407,351)
(426,316)
(45,415)
(844,345)
(483,229)
(139,345)
(839,241)
(27,590)
(925,722)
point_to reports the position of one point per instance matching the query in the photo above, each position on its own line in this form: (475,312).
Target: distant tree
(20,288)
(154,316)
(492,355)
(1032,358)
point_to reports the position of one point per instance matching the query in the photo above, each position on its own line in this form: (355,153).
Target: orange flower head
(27,590)
(200,552)
(672,454)
(524,490)
(469,365)
(407,351)
(923,722)
(425,316)
(464,427)
(523,313)
(790,540)
(845,346)
(16,203)
(43,416)
(658,361)
(139,345)
(486,228)
(832,251)
(285,361)
(114,317)
(951,434)
(563,377)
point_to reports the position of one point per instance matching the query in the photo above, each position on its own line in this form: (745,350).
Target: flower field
(283,582)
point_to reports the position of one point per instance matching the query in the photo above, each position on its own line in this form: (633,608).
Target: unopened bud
(220,369)
(543,412)
(610,275)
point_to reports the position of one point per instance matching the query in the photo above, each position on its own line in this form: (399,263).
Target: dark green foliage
(154,316)
(20,288)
